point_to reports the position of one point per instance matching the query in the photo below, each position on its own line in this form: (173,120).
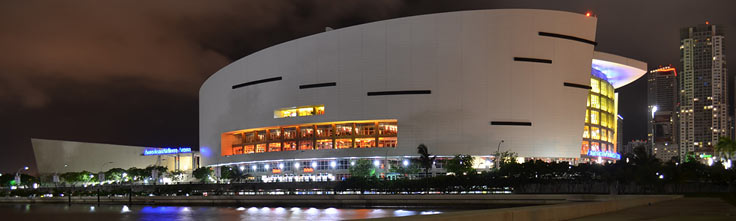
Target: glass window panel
(344,129)
(611,92)
(260,135)
(595,101)
(604,88)
(587,116)
(604,103)
(343,143)
(604,119)
(238,150)
(365,142)
(274,134)
(306,132)
(594,117)
(595,133)
(387,128)
(289,145)
(595,146)
(604,135)
(586,132)
(261,147)
(587,103)
(365,129)
(324,144)
(319,110)
(249,149)
(585,148)
(324,130)
(305,145)
(306,111)
(387,142)
(274,147)
(250,137)
(594,84)
(290,133)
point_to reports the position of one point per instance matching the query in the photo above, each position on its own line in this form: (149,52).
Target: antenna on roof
(328,29)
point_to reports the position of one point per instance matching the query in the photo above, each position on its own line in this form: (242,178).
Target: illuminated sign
(605,154)
(702,155)
(308,169)
(166,150)
(275,170)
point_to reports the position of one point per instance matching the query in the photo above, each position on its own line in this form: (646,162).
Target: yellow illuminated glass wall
(312,136)
(599,132)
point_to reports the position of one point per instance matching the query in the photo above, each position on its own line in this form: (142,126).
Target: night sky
(128,72)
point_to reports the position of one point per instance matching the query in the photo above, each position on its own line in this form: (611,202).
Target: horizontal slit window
(510,123)
(329,84)
(568,37)
(538,60)
(567,84)
(382,93)
(256,82)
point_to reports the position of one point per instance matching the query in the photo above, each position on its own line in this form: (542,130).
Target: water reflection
(122,212)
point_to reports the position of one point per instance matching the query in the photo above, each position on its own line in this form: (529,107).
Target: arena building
(469,82)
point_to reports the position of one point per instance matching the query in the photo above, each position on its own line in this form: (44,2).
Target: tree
(177,175)
(460,165)
(114,174)
(412,168)
(506,157)
(137,173)
(362,168)
(202,173)
(725,147)
(424,158)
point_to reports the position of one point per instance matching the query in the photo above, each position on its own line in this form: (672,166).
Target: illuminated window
(249,149)
(324,130)
(604,135)
(387,142)
(587,116)
(594,117)
(585,148)
(604,89)
(365,142)
(387,128)
(604,147)
(610,136)
(595,101)
(290,133)
(604,104)
(611,92)
(299,111)
(260,148)
(586,132)
(250,137)
(595,133)
(595,146)
(604,119)
(274,147)
(343,143)
(238,150)
(324,144)
(594,85)
(305,145)
(306,132)
(261,135)
(344,129)
(587,104)
(274,134)
(366,129)
(289,145)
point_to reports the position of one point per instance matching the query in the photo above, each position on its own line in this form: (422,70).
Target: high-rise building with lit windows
(703,89)
(469,82)
(662,118)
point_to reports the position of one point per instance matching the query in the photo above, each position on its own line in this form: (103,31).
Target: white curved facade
(478,67)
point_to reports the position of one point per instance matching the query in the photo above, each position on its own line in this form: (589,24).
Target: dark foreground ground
(688,208)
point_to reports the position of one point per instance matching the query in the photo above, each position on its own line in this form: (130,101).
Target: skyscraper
(703,89)
(662,119)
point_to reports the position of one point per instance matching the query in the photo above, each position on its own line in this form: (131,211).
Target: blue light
(605,154)
(166,150)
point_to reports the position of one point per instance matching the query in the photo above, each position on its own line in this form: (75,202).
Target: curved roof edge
(619,70)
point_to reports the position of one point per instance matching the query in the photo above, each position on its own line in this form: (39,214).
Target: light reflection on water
(122,212)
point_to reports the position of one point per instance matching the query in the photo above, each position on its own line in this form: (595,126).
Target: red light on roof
(587,14)
(707,22)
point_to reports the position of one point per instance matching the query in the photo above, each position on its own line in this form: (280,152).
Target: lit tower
(703,86)
(661,123)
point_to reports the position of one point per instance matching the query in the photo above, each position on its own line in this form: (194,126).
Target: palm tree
(425,159)
(725,147)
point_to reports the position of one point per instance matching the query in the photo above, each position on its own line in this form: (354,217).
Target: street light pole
(17,175)
(498,155)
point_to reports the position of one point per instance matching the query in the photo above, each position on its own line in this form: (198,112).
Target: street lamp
(654,126)
(498,154)
(17,175)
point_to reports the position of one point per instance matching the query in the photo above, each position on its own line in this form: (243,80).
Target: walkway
(678,209)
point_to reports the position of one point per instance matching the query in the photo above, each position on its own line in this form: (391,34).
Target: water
(59,212)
